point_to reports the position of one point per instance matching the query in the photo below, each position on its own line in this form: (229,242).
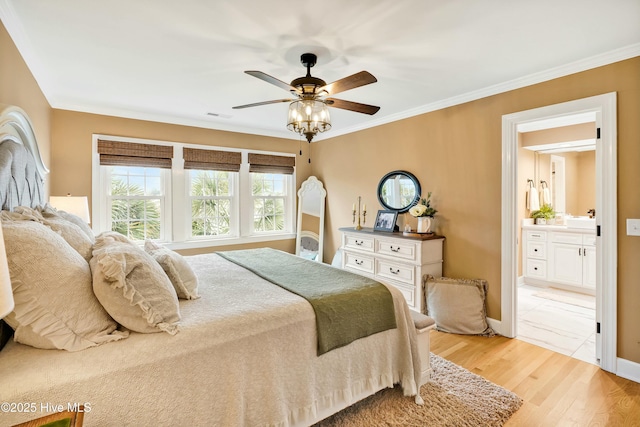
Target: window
(269,193)
(136,196)
(191,197)
(211,194)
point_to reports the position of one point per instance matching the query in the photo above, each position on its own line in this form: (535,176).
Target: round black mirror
(399,191)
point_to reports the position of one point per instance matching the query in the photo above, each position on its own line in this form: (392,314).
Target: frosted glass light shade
(77,205)
(6,292)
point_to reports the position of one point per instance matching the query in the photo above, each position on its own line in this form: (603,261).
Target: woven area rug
(453,397)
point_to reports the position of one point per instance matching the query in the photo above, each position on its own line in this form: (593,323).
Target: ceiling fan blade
(353,81)
(270,79)
(257,104)
(352,106)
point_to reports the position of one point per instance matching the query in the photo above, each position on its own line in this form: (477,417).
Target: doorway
(603,108)
(556,300)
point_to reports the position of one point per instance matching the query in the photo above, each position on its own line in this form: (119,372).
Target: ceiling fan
(308,114)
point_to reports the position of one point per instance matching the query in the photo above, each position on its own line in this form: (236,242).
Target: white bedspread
(245,356)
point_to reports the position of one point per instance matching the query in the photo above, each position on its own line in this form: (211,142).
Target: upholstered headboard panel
(22,171)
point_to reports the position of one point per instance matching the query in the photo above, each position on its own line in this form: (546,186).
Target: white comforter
(245,356)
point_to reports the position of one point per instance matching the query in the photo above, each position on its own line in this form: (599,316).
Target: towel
(545,196)
(533,203)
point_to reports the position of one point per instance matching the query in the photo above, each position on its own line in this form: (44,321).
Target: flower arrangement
(423,208)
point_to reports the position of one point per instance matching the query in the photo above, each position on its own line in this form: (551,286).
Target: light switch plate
(633,227)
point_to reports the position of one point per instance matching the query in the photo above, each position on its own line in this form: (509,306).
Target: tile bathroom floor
(558,320)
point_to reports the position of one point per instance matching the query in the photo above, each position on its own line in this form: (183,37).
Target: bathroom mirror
(399,191)
(310,235)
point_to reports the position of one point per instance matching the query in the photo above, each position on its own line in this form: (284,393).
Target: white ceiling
(176,61)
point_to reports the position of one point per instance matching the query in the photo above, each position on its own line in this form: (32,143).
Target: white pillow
(55,307)
(132,286)
(68,230)
(182,277)
(74,219)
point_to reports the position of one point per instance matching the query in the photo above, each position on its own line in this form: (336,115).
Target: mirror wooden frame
(312,186)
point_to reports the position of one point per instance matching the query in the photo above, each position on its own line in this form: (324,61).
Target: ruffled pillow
(182,277)
(55,307)
(132,286)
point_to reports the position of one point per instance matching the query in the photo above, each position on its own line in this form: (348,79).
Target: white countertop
(562,228)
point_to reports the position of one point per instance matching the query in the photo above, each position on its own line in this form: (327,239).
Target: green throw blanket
(347,306)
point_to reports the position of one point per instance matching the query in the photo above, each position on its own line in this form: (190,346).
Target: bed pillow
(68,230)
(132,286)
(55,307)
(180,274)
(457,305)
(74,219)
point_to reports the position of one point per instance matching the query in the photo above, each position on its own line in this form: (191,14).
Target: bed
(245,350)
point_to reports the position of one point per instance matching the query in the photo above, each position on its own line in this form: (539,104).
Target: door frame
(604,108)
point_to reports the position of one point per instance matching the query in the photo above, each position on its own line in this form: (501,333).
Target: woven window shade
(266,163)
(116,153)
(212,160)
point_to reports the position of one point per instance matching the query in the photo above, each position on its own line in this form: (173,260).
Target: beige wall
(456,153)
(19,88)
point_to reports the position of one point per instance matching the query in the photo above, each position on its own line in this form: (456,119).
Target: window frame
(176,221)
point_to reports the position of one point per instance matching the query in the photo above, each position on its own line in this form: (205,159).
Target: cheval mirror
(310,236)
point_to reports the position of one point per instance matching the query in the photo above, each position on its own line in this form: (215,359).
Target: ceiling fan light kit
(308,117)
(309,114)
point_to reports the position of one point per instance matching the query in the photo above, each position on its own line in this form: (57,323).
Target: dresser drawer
(536,249)
(404,250)
(408,292)
(536,235)
(537,269)
(359,242)
(396,271)
(359,262)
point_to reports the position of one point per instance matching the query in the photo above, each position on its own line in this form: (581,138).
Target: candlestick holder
(364,214)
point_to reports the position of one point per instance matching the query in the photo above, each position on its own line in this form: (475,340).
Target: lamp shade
(77,205)
(6,292)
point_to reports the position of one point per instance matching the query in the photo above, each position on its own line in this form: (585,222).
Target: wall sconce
(76,205)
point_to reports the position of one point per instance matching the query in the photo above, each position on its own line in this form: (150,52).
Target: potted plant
(424,212)
(544,214)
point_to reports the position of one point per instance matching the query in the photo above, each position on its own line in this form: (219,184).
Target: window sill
(195,244)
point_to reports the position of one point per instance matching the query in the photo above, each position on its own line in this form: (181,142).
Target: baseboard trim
(496,325)
(628,370)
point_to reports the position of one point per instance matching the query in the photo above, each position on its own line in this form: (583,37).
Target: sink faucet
(592,213)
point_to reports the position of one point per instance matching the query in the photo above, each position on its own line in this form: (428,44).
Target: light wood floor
(557,390)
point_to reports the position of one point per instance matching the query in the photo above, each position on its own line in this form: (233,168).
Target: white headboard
(22,170)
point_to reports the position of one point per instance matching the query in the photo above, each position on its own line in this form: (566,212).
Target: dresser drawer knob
(392,271)
(359,262)
(394,249)
(359,242)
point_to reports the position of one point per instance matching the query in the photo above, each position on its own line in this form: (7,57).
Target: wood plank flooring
(557,390)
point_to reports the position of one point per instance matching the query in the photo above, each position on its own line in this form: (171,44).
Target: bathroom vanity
(559,256)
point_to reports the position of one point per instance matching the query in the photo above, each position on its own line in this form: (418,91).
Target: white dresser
(394,259)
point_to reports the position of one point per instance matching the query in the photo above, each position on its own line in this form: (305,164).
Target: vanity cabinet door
(589,267)
(567,264)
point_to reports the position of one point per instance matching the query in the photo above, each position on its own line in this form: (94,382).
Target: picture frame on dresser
(385,220)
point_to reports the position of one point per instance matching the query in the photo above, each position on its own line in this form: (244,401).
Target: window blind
(195,158)
(117,153)
(267,163)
